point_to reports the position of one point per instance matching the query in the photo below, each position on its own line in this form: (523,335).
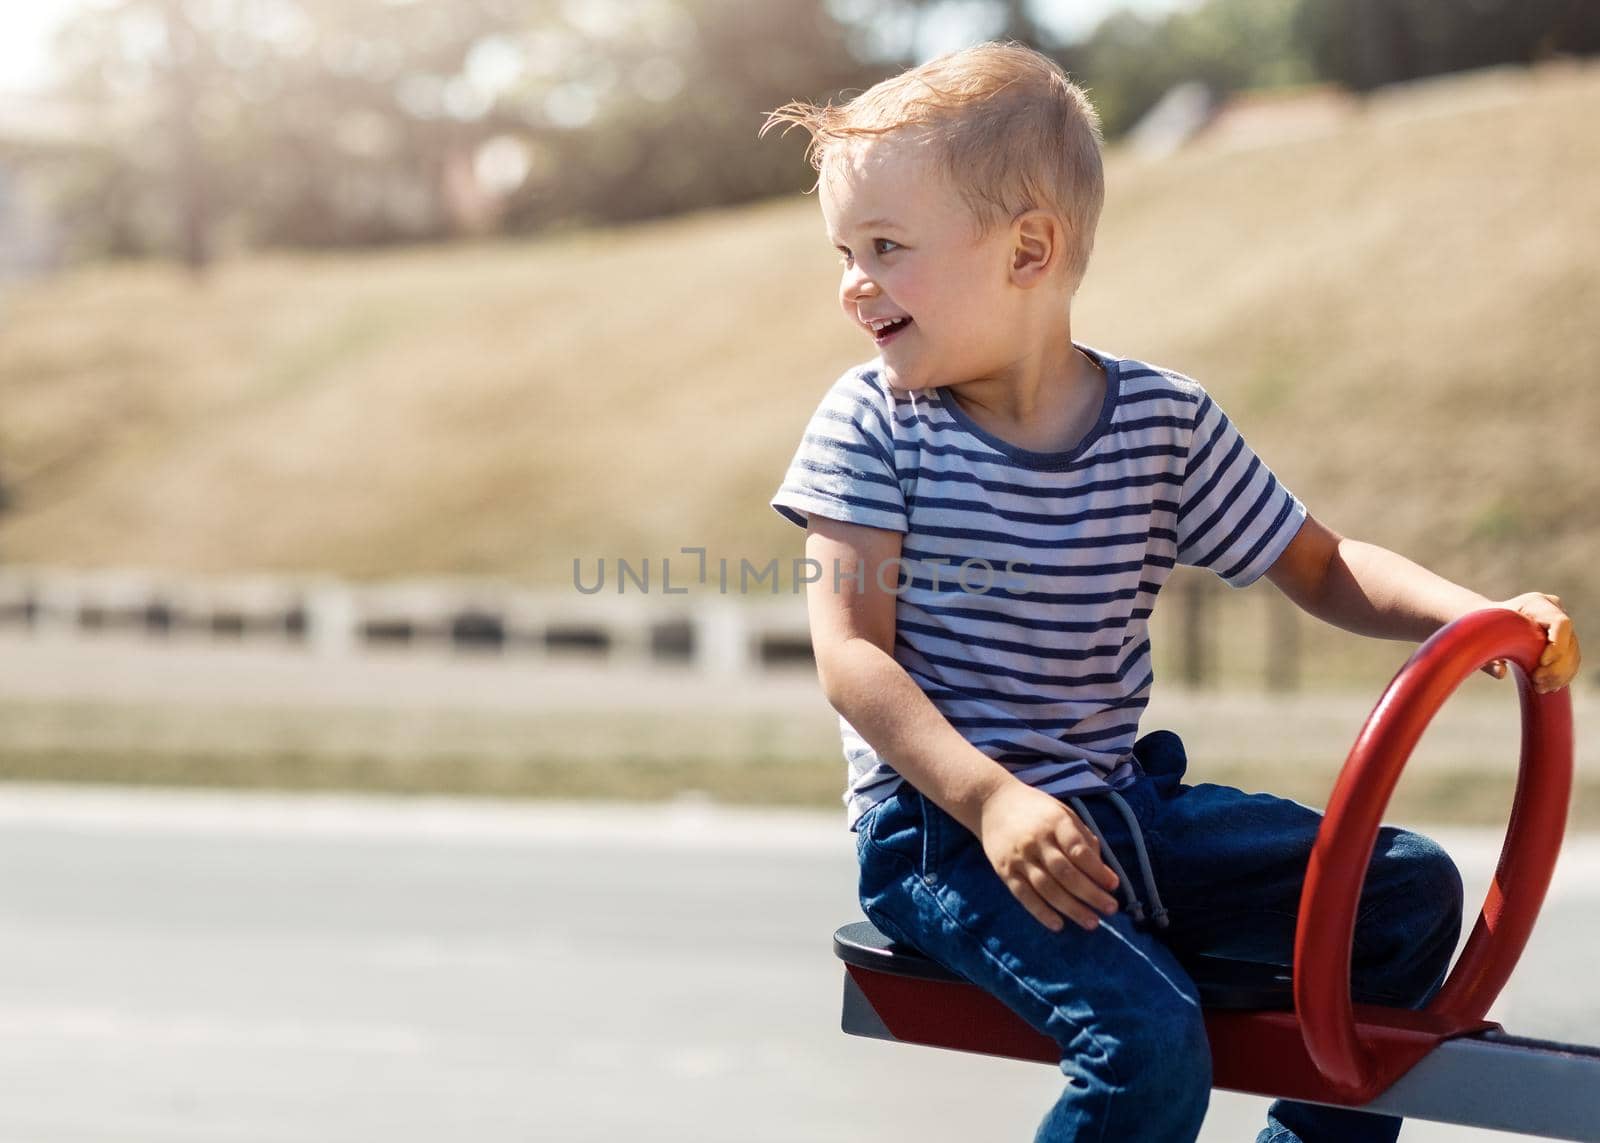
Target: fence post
(1283,644)
(721,638)
(1196,631)
(330,620)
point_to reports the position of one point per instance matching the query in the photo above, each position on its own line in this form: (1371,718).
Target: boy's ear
(1038,244)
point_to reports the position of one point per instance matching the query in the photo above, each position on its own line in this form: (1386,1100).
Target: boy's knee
(1176,1077)
(1431,881)
(1182,1076)
(1155,1070)
(1408,930)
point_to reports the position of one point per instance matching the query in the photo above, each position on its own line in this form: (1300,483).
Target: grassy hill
(1403,313)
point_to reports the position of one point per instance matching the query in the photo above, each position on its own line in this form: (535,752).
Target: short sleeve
(1234,516)
(844,468)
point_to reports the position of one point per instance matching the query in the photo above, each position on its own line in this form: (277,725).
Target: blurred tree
(184,64)
(325,122)
(1131,61)
(1018,24)
(301,122)
(1367,43)
(670,107)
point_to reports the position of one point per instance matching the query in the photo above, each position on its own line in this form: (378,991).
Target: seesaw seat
(1223,983)
(1298,1035)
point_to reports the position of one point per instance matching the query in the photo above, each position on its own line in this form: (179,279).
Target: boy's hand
(1047,857)
(1558,665)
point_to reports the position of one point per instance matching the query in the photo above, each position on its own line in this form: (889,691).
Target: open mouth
(882,333)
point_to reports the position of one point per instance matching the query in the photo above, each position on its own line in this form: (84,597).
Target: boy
(995,508)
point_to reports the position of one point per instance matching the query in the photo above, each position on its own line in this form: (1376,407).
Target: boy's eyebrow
(871,223)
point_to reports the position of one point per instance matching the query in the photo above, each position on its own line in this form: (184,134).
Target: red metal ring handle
(1349,831)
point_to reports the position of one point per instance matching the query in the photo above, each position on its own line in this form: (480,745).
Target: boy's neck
(1050,395)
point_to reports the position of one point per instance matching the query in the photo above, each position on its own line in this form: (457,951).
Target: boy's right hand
(1046,856)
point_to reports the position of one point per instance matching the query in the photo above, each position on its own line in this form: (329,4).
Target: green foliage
(1498,521)
(1228,45)
(363,122)
(1365,44)
(318,123)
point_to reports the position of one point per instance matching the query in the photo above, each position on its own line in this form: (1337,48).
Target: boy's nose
(857,284)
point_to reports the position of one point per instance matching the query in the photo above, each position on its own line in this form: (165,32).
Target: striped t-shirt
(1028,578)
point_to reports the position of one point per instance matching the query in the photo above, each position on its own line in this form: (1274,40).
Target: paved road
(222,967)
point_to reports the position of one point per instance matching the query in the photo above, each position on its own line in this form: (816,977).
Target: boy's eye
(880,247)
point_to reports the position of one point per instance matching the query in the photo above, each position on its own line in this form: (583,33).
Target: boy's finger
(1558,633)
(1049,903)
(1561,669)
(1035,905)
(1083,850)
(1074,881)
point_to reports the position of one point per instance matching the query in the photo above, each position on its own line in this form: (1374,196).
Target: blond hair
(1004,123)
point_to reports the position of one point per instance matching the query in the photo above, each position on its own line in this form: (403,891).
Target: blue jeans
(1229,868)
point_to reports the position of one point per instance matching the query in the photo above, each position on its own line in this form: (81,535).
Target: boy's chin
(901,383)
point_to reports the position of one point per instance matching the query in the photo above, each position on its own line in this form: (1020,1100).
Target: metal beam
(1492,1080)
(1506,1083)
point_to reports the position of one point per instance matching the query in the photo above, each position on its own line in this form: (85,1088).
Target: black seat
(1223,983)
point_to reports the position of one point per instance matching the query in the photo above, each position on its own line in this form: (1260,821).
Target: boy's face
(913,252)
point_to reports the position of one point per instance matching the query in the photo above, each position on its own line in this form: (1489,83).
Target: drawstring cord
(1124,885)
(1158,911)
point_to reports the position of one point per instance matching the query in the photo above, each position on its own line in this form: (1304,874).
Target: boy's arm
(1372,591)
(1035,843)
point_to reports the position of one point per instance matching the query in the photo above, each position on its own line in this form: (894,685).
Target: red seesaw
(1446,1062)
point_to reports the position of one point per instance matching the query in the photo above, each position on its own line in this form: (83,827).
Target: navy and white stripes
(1028,578)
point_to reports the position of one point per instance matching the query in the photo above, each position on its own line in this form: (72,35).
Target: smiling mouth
(883,333)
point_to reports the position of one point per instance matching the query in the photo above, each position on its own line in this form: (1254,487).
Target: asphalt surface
(226,967)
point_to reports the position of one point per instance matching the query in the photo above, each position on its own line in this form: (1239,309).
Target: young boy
(995,508)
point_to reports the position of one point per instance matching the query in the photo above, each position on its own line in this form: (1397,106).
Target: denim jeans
(1229,868)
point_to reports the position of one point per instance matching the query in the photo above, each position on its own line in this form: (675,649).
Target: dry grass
(773,753)
(1462,772)
(1401,313)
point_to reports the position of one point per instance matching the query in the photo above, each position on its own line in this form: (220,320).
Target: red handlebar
(1350,830)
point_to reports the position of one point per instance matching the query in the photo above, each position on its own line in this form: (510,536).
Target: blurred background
(428,363)
(391,392)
